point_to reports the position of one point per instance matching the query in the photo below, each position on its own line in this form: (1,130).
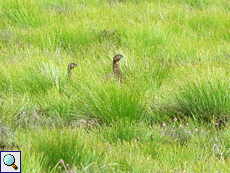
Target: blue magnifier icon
(9,160)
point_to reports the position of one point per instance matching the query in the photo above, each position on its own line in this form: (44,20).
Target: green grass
(202,93)
(175,65)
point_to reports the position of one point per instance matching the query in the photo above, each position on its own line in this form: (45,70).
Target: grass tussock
(108,102)
(201,95)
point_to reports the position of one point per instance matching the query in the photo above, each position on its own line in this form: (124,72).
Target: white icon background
(5,168)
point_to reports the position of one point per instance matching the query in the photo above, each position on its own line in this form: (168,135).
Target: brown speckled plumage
(116,67)
(70,68)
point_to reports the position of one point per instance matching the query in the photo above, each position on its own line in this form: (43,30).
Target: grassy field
(170,115)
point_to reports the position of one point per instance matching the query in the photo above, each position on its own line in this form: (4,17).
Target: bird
(71,66)
(116,69)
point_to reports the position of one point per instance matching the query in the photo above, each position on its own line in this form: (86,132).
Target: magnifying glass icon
(9,160)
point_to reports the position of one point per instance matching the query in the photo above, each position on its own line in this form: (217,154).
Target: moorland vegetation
(170,114)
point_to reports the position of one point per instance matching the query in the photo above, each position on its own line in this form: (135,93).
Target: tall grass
(109,102)
(57,144)
(201,95)
(93,151)
(175,65)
